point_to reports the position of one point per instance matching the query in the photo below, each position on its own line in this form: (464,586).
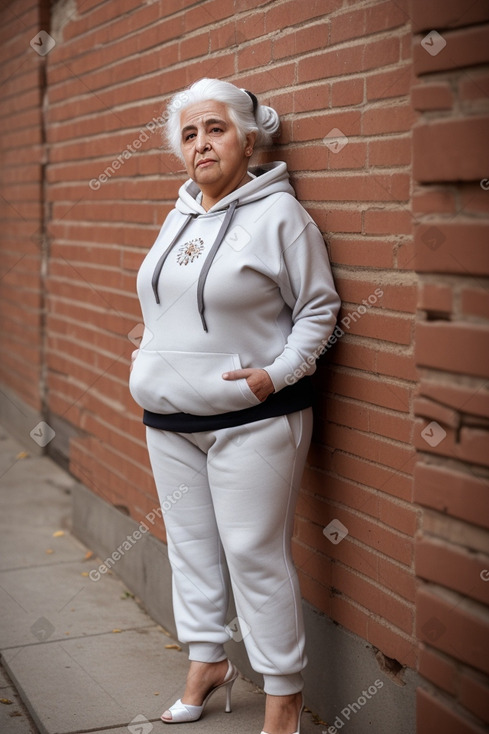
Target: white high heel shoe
(183,712)
(298,722)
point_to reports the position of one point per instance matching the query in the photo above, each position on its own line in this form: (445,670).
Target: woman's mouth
(204,163)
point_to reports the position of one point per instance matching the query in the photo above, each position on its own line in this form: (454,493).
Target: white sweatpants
(228,498)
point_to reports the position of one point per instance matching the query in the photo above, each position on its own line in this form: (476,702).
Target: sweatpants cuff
(283,685)
(206,652)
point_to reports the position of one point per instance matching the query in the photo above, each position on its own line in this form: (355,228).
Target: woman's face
(215,156)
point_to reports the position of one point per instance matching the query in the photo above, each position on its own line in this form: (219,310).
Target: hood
(270,178)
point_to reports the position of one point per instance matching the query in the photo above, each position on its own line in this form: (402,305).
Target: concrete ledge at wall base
(20,419)
(344,685)
(38,434)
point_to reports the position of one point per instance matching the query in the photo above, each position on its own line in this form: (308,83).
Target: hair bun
(267,119)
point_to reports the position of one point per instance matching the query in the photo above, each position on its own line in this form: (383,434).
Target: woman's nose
(202,142)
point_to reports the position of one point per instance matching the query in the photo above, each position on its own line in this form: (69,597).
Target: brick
(347,92)
(376,187)
(465,445)
(367,252)
(464,47)
(435,412)
(391,642)
(348,25)
(474,87)
(473,198)
(397,578)
(474,694)
(330,63)
(264,80)
(453,625)
(439,669)
(432,97)
(452,567)
(370,447)
(394,329)
(392,83)
(256,55)
(349,615)
(394,150)
(314,97)
(437,248)
(398,516)
(427,200)
(352,157)
(454,348)
(291,13)
(382,120)
(316,593)
(301,41)
(475,302)
(381,294)
(433,714)
(465,139)
(394,483)
(380,53)
(311,158)
(368,595)
(387,15)
(313,127)
(472,400)
(451,14)
(435,298)
(381,221)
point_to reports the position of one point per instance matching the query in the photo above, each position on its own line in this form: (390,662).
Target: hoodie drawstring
(210,257)
(207,264)
(161,261)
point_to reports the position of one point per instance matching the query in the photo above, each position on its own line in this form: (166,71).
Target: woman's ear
(250,141)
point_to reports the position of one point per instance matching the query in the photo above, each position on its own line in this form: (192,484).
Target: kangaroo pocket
(188,382)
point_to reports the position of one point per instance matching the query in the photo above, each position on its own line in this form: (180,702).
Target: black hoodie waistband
(288,400)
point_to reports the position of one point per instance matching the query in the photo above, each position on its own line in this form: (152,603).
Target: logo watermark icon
(237,238)
(433,434)
(140,725)
(433,238)
(484,184)
(433,43)
(42,43)
(42,434)
(138,333)
(433,629)
(237,629)
(484,574)
(42,629)
(335,531)
(335,140)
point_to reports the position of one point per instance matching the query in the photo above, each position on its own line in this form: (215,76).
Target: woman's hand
(133,357)
(258,381)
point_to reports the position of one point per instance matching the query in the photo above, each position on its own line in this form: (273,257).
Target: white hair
(243,108)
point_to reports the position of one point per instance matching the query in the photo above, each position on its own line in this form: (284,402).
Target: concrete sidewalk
(84,656)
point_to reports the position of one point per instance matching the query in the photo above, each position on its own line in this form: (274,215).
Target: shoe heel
(229,689)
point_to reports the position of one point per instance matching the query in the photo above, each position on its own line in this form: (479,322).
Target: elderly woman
(237,299)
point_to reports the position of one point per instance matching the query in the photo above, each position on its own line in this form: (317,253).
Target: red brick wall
(23,244)
(450,206)
(357,94)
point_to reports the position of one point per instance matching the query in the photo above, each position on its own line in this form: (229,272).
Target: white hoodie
(266,298)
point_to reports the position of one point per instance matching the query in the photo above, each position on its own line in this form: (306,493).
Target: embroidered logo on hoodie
(190,251)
